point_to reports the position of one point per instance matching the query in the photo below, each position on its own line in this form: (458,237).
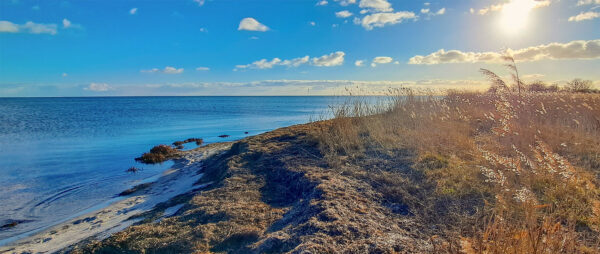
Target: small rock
(10,225)
(133,170)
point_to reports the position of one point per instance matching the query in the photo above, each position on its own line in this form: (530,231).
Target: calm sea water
(61,156)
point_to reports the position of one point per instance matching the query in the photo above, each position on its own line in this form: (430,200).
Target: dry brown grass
(501,172)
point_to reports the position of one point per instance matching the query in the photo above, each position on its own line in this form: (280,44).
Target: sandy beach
(117,214)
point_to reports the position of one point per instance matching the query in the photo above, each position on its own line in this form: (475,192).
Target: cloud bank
(585,16)
(333,59)
(587,2)
(552,51)
(29,27)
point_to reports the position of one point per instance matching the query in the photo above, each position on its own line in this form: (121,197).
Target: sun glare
(515,15)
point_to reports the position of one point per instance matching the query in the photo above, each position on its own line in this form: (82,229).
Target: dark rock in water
(198,141)
(161,149)
(133,170)
(137,188)
(245,132)
(223,136)
(12,223)
(179,144)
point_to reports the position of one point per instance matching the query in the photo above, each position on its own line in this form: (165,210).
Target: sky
(287,47)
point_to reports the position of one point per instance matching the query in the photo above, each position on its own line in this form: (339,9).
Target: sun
(515,15)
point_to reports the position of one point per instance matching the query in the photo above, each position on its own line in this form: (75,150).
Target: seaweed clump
(179,144)
(158,154)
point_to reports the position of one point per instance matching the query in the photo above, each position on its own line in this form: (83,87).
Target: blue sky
(215,47)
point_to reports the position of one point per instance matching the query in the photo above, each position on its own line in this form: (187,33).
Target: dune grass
(512,170)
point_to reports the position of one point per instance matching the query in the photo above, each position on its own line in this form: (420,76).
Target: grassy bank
(488,172)
(513,170)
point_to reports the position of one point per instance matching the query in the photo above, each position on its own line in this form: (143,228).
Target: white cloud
(166,70)
(203,69)
(37,28)
(571,50)
(260,64)
(585,16)
(133,11)
(172,70)
(499,7)
(359,63)
(295,62)
(98,87)
(381,60)
(29,27)
(343,14)
(203,30)
(426,3)
(66,23)
(428,12)
(312,23)
(64,74)
(587,2)
(321,3)
(486,10)
(199,2)
(382,19)
(376,5)
(345,2)
(8,27)
(251,24)
(333,59)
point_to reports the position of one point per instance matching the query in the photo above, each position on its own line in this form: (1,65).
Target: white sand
(113,217)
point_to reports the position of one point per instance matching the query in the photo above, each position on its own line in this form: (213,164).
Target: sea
(60,157)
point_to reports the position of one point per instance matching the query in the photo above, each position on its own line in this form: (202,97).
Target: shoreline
(409,180)
(116,214)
